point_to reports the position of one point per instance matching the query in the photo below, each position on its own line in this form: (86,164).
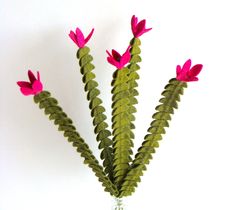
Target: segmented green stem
(55,112)
(121,119)
(134,76)
(171,95)
(97,110)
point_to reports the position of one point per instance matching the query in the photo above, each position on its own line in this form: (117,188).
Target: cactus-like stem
(97,110)
(171,95)
(121,119)
(55,112)
(134,76)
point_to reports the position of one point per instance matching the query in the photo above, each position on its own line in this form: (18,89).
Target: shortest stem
(118,204)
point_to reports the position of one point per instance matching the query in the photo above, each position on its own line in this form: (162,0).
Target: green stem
(56,113)
(133,77)
(97,110)
(171,95)
(121,119)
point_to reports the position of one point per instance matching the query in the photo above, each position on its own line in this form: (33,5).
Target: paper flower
(138,28)
(119,60)
(33,87)
(78,37)
(186,73)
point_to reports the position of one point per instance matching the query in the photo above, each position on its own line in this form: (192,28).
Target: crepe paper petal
(33,87)
(186,73)
(119,60)
(78,37)
(138,29)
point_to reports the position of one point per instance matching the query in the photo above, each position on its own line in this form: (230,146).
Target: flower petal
(146,30)
(37,87)
(72,35)
(31,76)
(109,53)
(24,84)
(80,38)
(125,57)
(134,21)
(186,66)
(112,61)
(195,70)
(194,79)
(116,55)
(38,76)
(178,69)
(141,25)
(89,36)
(26,91)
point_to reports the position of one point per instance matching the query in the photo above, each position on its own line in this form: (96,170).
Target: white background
(194,166)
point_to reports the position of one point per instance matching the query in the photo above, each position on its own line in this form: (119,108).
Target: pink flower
(78,37)
(138,28)
(186,73)
(33,87)
(119,60)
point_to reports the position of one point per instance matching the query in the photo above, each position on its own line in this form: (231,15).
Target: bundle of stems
(120,171)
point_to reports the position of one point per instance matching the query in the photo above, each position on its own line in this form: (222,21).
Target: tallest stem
(133,77)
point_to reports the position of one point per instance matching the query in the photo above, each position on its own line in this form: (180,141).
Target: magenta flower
(186,73)
(33,87)
(138,28)
(78,37)
(119,60)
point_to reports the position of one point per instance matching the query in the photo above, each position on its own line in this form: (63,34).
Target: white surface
(194,166)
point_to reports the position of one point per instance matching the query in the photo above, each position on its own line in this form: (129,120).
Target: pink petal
(134,21)
(80,38)
(24,84)
(37,87)
(186,66)
(146,30)
(26,91)
(178,69)
(193,79)
(31,76)
(72,35)
(108,53)
(141,25)
(181,77)
(195,70)
(113,62)
(38,76)
(125,57)
(116,55)
(142,32)
(89,36)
